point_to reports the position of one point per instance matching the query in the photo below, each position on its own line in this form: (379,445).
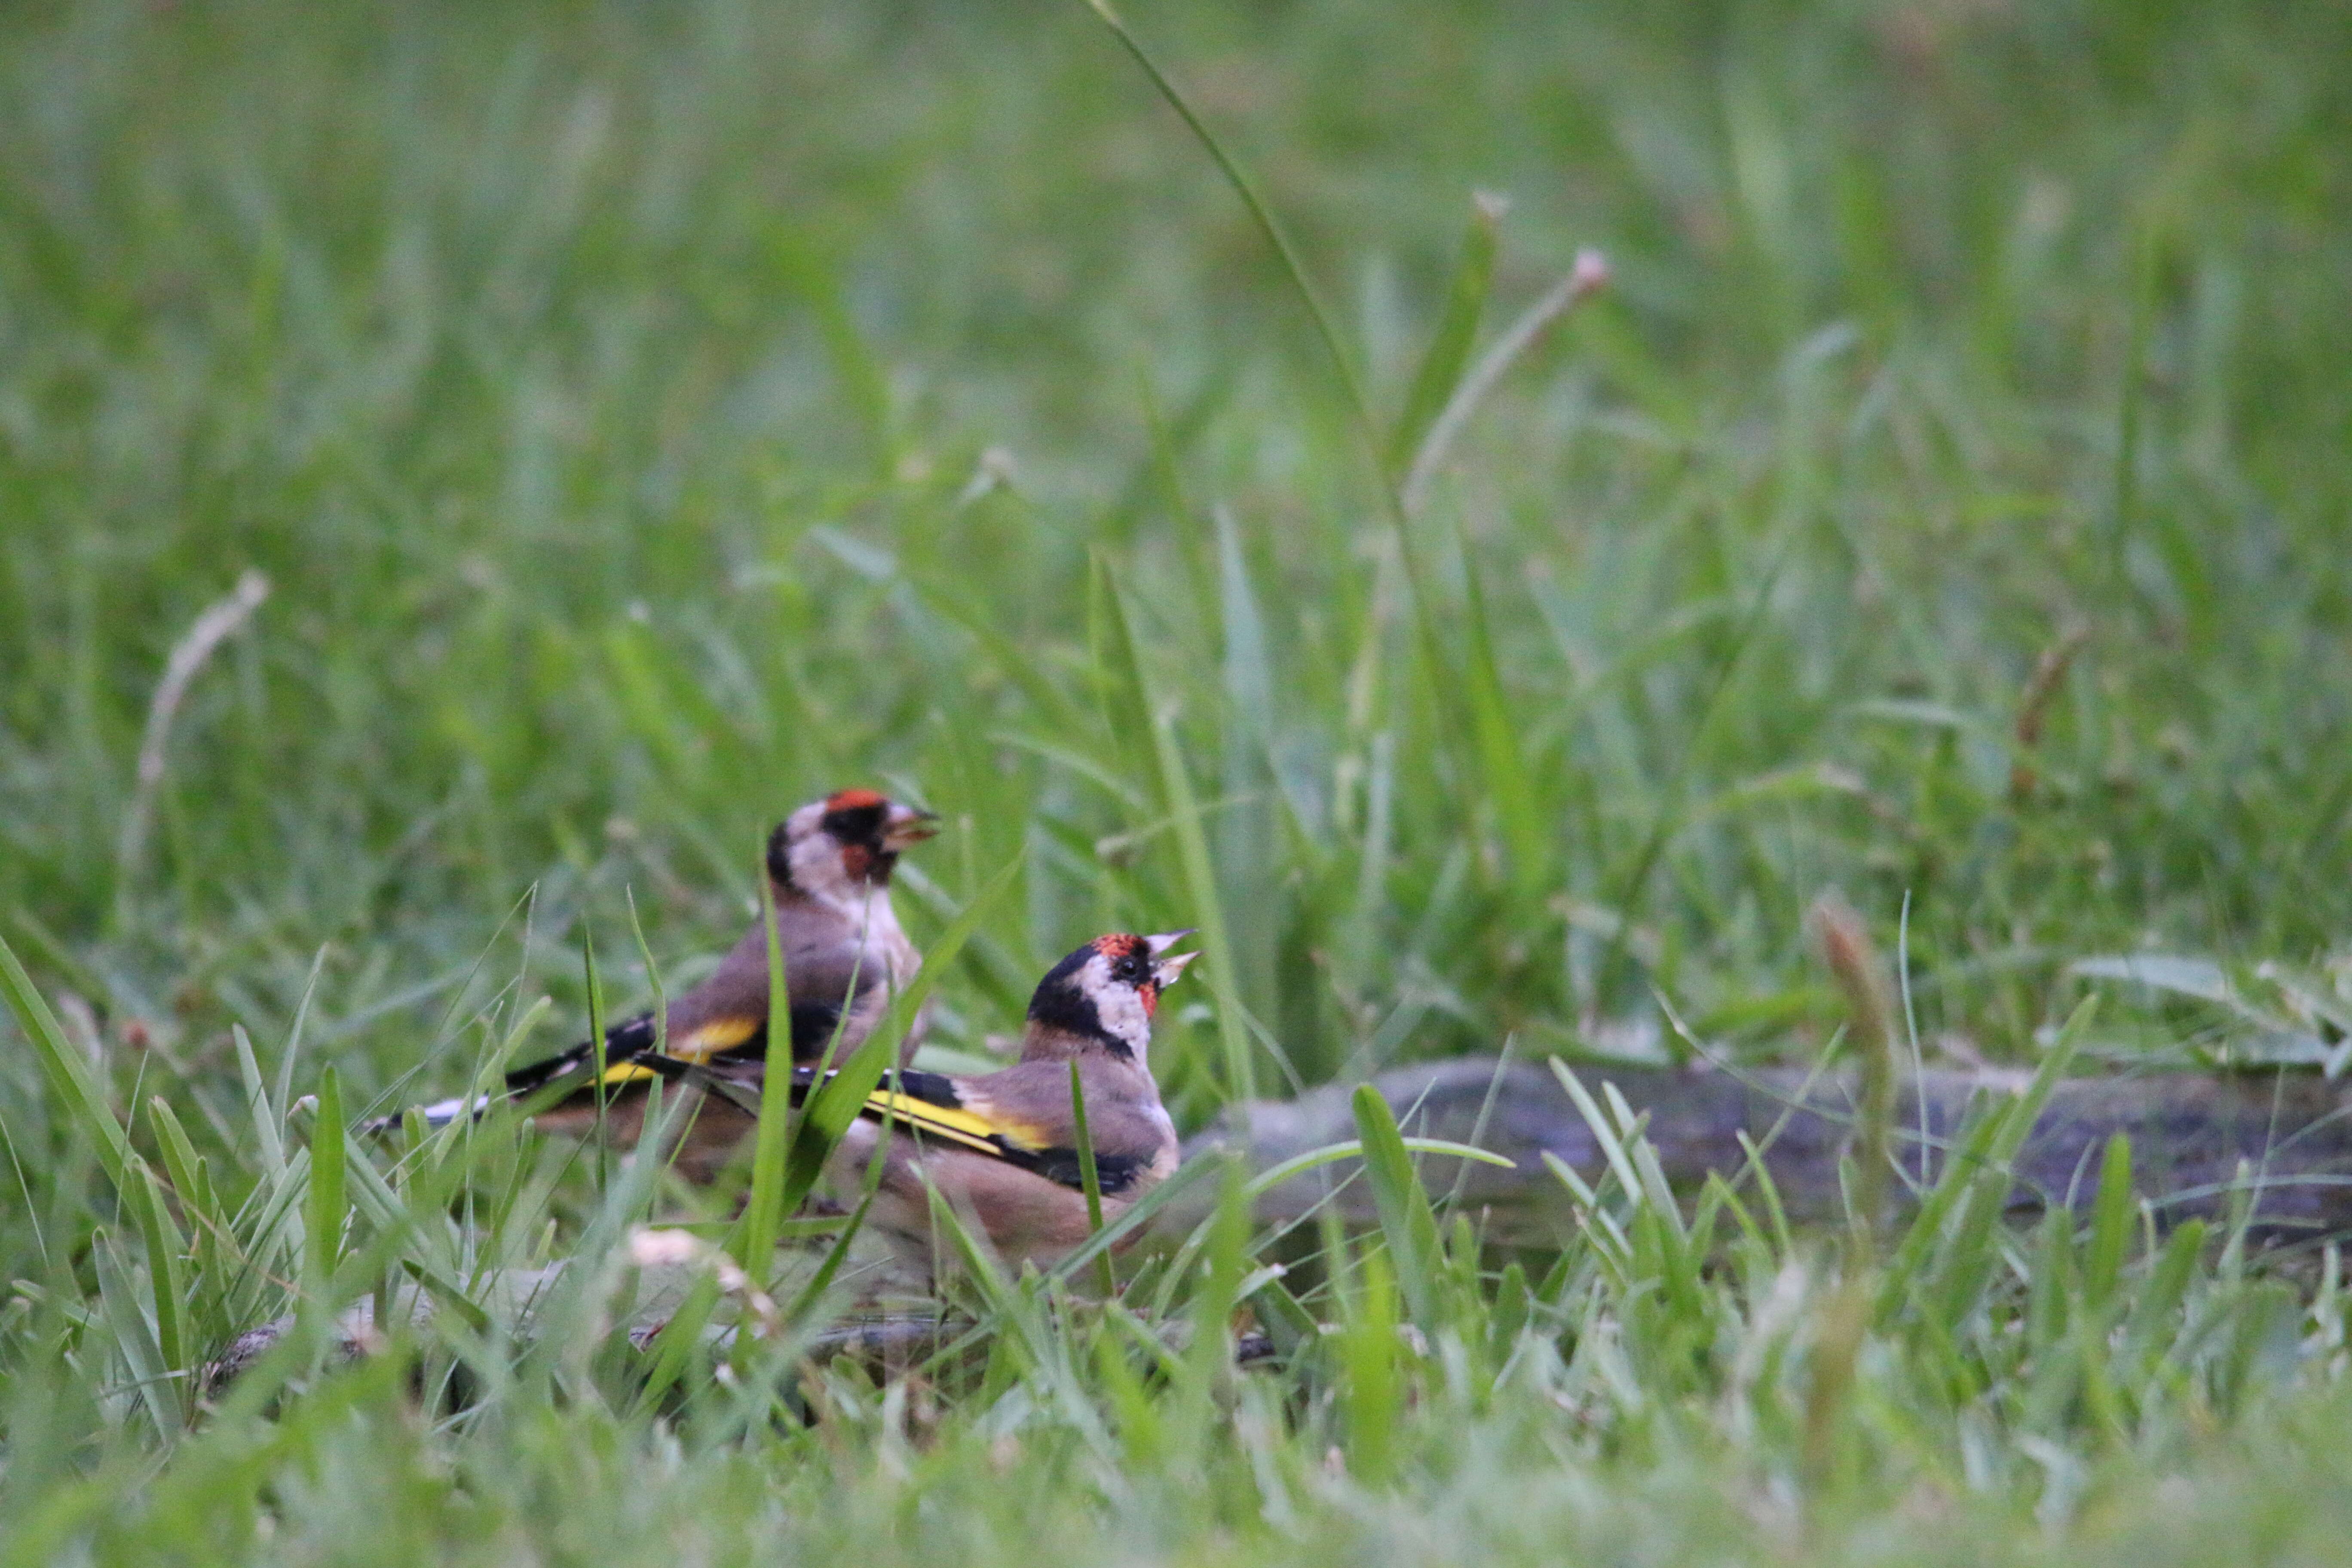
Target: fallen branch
(216,626)
(2281,1143)
(2198,1140)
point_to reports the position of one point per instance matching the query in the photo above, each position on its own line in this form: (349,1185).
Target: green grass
(647,417)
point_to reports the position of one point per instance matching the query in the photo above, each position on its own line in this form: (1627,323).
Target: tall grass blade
(1089,1176)
(1293,268)
(1343,369)
(1508,784)
(2111,1224)
(1457,331)
(81,1096)
(2153,1321)
(1245,848)
(266,1118)
(1590,274)
(771,1195)
(1406,1217)
(294,1035)
(596,1043)
(1146,1209)
(1272,1176)
(325,1210)
(1668,817)
(1208,909)
(1117,671)
(653,982)
(134,1337)
(161,1238)
(836,1102)
(812,1294)
(1605,1133)
(1371,1387)
(180,1158)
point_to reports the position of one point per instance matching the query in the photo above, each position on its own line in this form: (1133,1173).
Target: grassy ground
(646,417)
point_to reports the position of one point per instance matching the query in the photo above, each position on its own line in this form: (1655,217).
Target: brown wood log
(2286,1138)
(2281,1141)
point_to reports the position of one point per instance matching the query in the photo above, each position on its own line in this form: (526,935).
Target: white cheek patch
(818,873)
(1119,1007)
(816,863)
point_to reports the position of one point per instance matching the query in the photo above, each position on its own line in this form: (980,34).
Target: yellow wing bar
(699,1046)
(717,1035)
(950,1121)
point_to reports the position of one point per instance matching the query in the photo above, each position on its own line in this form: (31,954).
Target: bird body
(1021,1177)
(1002,1148)
(845,955)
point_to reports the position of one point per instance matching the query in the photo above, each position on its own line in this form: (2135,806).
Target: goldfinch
(829,865)
(1002,1148)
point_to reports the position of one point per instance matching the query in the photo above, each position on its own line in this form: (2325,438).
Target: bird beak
(1170,969)
(903,827)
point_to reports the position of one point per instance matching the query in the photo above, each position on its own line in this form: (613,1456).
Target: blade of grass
(836,1101)
(294,1035)
(1603,1133)
(1145,1209)
(179,1154)
(1208,909)
(1501,762)
(1193,848)
(1272,1176)
(449,1297)
(1117,668)
(1359,408)
(324,1211)
(1663,825)
(2111,1224)
(72,1078)
(1457,331)
(1406,1215)
(676,1342)
(265,1118)
(134,1338)
(1088,1177)
(771,1199)
(1263,215)
(1589,275)
(653,977)
(596,1043)
(813,1293)
(165,1247)
(1371,1393)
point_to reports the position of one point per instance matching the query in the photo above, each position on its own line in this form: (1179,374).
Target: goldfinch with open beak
(829,865)
(1001,1147)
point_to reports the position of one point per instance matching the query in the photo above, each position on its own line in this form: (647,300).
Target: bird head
(849,840)
(1103,995)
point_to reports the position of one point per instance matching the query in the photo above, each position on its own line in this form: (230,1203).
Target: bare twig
(2033,705)
(216,626)
(1589,275)
(1855,962)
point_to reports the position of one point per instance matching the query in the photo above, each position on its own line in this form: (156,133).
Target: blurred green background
(647,416)
(650,416)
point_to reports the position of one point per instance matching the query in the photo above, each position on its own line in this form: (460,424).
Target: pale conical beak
(1170,969)
(904,827)
(1156,945)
